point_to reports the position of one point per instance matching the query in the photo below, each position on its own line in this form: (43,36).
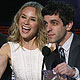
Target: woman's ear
(69,26)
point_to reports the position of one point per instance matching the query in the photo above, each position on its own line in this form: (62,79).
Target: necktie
(62,59)
(62,55)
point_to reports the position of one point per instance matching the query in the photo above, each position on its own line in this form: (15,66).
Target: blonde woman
(26,38)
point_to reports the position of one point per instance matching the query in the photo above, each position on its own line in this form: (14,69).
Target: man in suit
(7,73)
(58,20)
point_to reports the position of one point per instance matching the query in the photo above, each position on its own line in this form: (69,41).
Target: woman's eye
(23,16)
(33,19)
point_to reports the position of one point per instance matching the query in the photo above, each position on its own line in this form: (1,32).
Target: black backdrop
(9,8)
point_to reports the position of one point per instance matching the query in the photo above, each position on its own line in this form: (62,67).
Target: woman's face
(28,23)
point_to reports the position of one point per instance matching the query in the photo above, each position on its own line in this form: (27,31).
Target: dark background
(9,8)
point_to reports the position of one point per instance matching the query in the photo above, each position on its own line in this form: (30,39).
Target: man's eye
(45,23)
(54,23)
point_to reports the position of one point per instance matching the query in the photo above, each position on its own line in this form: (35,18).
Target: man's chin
(52,41)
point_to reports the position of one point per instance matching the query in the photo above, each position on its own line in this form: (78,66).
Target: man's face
(54,27)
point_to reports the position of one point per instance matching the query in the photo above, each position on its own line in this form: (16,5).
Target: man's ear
(69,26)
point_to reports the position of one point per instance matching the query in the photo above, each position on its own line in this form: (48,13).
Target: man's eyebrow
(54,20)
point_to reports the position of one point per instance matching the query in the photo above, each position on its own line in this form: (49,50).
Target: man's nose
(48,28)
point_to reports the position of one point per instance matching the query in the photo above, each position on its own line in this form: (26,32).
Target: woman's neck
(29,44)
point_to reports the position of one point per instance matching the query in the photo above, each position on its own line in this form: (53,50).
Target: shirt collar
(67,44)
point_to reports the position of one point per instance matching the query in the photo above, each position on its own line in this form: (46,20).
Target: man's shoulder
(76,37)
(76,41)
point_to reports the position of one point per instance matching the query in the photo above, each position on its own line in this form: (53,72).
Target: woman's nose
(26,21)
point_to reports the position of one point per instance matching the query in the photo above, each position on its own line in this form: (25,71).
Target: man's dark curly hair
(66,11)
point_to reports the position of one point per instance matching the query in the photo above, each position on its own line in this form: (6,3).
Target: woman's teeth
(26,28)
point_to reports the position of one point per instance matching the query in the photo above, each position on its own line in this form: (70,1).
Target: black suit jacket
(8,71)
(74,56)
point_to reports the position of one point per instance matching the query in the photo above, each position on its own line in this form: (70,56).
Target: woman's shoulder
(7,45)
(5,48)
(13,45)
(5,51)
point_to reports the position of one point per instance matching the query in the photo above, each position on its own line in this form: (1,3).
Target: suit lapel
(72,55)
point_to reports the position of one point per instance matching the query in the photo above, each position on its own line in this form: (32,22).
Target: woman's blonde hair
(14,33)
